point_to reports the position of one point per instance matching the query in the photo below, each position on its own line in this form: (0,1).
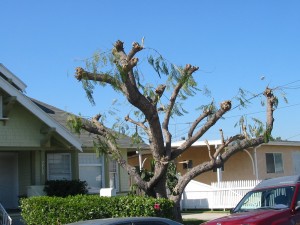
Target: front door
(9,180)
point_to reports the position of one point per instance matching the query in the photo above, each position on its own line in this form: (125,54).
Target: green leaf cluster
(46,210)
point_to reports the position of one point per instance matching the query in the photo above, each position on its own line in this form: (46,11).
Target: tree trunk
(176,208)
(160,187)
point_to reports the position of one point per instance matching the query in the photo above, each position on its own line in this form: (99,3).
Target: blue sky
(235,44)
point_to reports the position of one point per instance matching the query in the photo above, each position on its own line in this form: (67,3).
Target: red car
(272,202)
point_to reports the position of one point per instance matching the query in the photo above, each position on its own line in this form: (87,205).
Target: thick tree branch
(81,74)
(205,114)
(187,72)
(232,145)
(138,100)
(95,127)
(225,107)
(136,47)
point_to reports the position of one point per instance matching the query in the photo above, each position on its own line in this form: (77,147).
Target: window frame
(274,160)
(100,165)
(69,176)
(113,174)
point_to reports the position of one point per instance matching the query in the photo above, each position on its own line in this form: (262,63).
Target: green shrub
(47,210)
(64,188)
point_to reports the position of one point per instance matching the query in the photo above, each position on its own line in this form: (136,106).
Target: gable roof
(15,87)
(86,138)
(14,80)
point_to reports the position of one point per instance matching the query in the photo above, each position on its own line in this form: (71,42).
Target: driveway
(204,215)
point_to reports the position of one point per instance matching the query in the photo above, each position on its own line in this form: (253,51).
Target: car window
(150,223)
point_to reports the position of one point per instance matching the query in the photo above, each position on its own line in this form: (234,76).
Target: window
(188,164)
(59,166)
(90,170)
(274,163)
(113,175)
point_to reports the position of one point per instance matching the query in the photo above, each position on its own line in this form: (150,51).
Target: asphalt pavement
(209,215)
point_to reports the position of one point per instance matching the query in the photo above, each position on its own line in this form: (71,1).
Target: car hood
(247,217)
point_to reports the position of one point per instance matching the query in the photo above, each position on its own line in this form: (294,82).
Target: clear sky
(235,43)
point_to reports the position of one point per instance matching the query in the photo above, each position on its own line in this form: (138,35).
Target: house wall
(123,175)
(240,166)
(22,129)
(24,172)
(287,157)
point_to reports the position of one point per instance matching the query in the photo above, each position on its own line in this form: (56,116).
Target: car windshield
(271,198)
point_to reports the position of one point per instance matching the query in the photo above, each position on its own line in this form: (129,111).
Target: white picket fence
(222,195)
(5,219)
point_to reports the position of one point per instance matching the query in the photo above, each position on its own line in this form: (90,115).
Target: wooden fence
(222,195)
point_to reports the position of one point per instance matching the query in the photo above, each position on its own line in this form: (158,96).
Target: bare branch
(225,107)
(101,77)
(159,92)
(271,101)
(142,125)
(188,71)
(225,143)
(136,47)
(197,121)
(209,151)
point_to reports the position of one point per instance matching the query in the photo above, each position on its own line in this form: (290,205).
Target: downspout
(219,170)
(255,159)
(140,159)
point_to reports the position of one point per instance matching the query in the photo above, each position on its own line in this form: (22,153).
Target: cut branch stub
(268,92)
(160,89)
(190,69)
(137,46)
(119,45)
(226,105)
(79,73)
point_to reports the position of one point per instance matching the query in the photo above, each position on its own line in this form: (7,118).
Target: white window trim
(101,165)
(275,168)
(117,184)
(49,161)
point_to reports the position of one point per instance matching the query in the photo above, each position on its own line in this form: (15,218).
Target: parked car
(272,201)
(128,221)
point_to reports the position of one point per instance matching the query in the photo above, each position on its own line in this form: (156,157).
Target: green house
(36,145)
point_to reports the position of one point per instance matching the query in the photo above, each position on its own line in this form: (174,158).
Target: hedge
(45,210)
(64,188)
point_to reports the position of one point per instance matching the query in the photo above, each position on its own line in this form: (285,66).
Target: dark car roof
(113,221)
(287,180)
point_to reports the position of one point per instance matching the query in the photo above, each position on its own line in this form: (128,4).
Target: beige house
(36,145)
(269,160)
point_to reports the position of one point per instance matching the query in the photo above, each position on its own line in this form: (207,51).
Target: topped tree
(154,115)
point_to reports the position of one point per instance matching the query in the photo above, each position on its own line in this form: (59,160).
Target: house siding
(24,172)
(123,175)
(21,130)
(249,164)
(287,158)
